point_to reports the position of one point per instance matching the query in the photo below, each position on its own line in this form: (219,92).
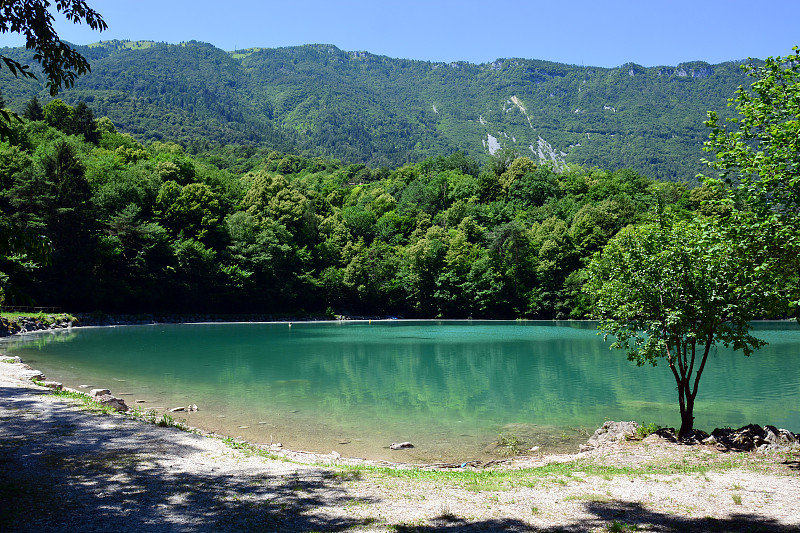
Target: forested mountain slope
(360,107)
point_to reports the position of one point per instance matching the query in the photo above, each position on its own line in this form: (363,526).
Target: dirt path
(64,467)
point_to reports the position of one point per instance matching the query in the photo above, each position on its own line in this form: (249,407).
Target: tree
(84,124)
(20,251)
(674,289)
(60,63)
(760,152)
(59,115)
(33,110)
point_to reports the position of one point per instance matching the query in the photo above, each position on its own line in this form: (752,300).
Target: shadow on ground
(611,516)
(59,472)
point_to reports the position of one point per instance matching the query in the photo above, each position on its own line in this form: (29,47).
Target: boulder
(610,433)
(752,437)
(94,393)
(400,445)
(111,401)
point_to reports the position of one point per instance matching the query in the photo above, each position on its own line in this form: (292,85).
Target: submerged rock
(400,445)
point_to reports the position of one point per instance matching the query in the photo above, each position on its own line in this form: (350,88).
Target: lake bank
(64,467)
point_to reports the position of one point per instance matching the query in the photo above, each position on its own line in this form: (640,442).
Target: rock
(400,445)
(535,449)
(177,409)
(192,408)
(609,433)
(99,392)
(336,455)
(32,374)
(111,401)
(754,437)
(780,437)
(52,385)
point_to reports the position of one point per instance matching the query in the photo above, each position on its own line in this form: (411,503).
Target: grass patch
(44,318)
(645,430)
(562,473)
(253,450)
(621,527)
(737,499)
(87,402)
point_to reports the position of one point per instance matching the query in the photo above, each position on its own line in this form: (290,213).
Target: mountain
(361,107)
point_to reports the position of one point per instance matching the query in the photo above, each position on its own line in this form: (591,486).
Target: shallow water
(449,387)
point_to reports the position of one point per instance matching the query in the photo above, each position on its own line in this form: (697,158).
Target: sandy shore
(62,466)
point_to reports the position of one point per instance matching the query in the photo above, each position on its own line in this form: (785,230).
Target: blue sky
(599,33)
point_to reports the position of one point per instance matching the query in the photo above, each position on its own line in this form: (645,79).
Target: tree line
(154,227)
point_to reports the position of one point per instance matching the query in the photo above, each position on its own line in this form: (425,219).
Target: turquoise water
(449,387)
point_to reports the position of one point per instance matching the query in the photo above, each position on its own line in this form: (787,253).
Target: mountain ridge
(319,100)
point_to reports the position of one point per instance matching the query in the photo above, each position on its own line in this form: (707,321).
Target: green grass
(89,403)
(46,318)
(503,480)
(645,430)
(620,527)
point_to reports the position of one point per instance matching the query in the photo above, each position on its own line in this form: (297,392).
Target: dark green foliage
(33,110)
(137,228)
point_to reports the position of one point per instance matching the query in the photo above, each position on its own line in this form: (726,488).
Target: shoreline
(492,453)
(70,468)
(607,434)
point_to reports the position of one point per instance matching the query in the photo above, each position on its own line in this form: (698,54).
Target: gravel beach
(63,466)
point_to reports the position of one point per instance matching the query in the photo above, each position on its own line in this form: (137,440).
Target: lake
(449,387)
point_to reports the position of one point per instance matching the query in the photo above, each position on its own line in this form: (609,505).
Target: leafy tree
(20,252)
(674,289)
(59,115)
(760,152)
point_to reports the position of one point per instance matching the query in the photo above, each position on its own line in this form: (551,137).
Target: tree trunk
(687,416)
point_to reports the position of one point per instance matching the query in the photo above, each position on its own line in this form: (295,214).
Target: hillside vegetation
(317,100)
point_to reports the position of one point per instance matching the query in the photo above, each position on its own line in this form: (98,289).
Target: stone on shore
(610,433)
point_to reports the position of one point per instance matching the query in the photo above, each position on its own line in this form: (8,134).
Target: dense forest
(357,107)
(139,227)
